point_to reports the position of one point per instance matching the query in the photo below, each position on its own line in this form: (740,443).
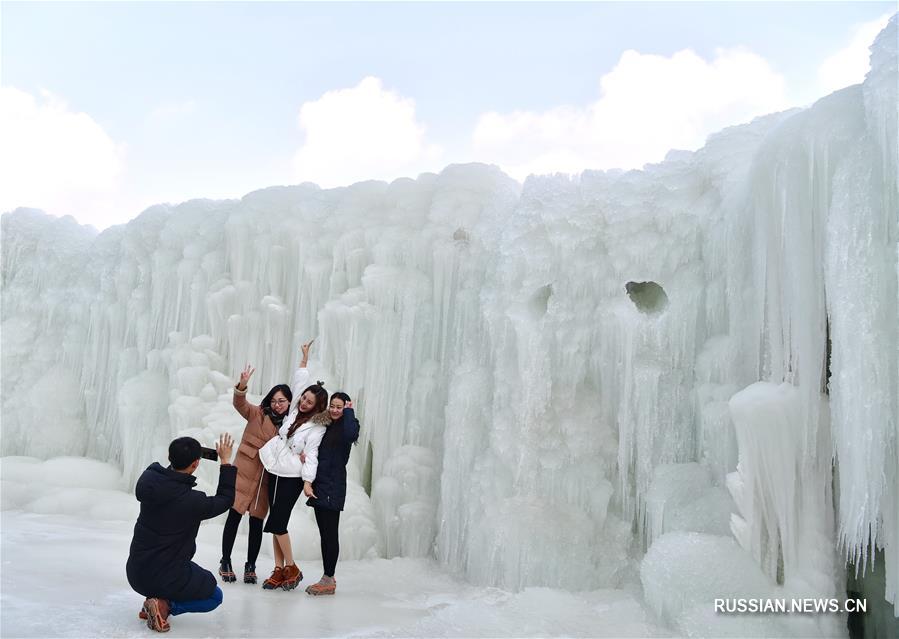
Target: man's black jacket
(159,564)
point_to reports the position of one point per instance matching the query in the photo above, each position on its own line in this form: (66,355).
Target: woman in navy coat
(329,487)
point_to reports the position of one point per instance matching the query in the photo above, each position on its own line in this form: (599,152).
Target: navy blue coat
(333,454)
(159,564)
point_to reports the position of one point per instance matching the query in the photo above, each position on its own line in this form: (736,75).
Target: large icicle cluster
(862,280)
(822,268)
(540,369)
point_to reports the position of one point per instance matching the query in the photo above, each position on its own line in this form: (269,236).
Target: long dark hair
(266,404)
(321,404)
(333,442)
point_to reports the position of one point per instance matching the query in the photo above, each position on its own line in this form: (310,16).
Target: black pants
(230,534)
(328,521)
(283,493)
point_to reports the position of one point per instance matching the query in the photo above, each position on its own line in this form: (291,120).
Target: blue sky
(107,108)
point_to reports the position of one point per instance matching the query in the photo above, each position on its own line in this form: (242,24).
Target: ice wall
(862,276)
(816,290)
(550,376)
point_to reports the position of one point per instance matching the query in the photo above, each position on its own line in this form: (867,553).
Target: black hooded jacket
(333,454)
(159,564)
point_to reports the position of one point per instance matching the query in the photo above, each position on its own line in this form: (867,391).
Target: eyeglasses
(280,401)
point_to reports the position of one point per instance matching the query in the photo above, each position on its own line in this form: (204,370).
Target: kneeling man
(159,564)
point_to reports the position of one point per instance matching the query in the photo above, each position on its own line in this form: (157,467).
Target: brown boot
(275,580)
(326,586)
(157,612)
(292,576)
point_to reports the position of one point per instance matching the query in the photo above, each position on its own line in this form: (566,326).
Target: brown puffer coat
(251,495)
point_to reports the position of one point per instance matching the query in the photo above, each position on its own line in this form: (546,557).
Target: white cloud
(648,104)
(361,133)
(54,158)
(850,64)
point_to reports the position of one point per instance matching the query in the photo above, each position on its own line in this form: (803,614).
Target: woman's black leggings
(230,534)
(328,521)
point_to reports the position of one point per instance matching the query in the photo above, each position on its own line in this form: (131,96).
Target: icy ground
(64,576)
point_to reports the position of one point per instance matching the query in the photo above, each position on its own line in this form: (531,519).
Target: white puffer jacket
(281,455)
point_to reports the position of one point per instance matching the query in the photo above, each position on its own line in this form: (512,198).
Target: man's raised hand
(224,447)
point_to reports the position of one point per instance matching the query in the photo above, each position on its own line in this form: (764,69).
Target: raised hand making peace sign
(245,376)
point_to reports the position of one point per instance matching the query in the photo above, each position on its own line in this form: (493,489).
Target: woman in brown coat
(251,496)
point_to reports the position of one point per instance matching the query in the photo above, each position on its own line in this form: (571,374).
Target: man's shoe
(249,573)
(142,615)
(292,576)
(275,580)
(326,586)
(157,612)
(226,571)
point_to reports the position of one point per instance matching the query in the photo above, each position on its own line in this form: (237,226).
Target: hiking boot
(325,586)
(142,615)
(156,612)
(275,580)
(249,573)
(292,576)
(226,571)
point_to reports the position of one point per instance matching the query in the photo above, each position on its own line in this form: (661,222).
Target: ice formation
(551,377)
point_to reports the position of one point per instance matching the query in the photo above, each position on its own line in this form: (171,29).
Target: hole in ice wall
(539,301)
(648,297)
(461,235)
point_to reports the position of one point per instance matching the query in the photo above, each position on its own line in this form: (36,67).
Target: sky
(107,108)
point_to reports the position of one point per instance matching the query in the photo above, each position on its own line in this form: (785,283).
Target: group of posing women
(295,442)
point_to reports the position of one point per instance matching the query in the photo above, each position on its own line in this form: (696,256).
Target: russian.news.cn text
(788,606)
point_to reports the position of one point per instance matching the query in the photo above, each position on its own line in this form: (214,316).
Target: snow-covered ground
(67,525)
(64,576)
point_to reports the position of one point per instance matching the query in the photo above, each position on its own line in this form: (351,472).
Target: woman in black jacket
(329,487)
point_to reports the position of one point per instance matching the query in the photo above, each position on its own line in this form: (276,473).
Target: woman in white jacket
(288,477)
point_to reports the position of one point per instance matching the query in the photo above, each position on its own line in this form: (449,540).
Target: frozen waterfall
(554,378)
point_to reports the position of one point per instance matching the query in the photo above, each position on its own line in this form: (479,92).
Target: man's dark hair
(183,452)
